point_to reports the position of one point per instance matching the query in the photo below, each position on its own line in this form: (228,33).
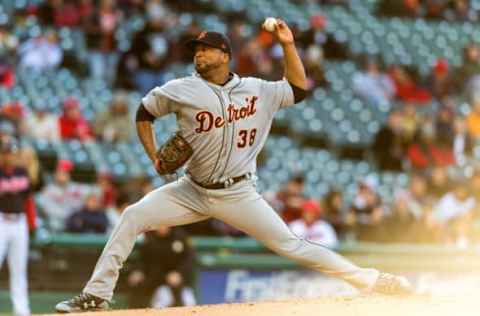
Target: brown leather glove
(173,154)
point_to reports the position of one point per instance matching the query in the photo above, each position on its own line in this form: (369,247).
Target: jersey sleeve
(278,94)
(157,103)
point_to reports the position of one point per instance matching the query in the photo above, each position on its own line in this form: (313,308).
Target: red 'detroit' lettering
(14,184)
(207,120)
(248,110)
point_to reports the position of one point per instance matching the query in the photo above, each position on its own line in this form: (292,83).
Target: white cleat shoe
(82,303)
(390,284)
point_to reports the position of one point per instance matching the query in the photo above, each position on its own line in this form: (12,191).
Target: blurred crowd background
(384,149)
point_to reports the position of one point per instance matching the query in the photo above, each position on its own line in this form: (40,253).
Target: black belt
(223,185)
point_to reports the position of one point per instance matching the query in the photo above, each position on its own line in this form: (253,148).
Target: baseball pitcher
(223,122)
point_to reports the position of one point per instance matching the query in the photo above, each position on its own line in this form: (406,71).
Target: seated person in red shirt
(72,123)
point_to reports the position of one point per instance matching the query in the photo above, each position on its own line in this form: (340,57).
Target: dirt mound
(358,306)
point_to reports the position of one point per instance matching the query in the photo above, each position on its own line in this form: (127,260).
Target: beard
(204,68)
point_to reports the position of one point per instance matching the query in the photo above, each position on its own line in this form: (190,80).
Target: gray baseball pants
(184,202)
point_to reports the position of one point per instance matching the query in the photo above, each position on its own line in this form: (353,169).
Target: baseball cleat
(390,284)
(82,303)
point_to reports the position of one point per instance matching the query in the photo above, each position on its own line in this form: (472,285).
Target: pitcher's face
(208,58)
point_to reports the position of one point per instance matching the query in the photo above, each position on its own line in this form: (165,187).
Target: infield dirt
(357,306)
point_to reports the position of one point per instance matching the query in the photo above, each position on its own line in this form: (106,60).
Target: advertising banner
(234,286)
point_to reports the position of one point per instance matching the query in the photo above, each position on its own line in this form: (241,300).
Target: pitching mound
(358,306)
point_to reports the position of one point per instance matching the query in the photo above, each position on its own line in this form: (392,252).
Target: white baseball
(270,24)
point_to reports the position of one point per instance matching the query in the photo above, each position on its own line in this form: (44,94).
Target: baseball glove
(173,154)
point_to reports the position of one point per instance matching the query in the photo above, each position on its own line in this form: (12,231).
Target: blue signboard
(231,286)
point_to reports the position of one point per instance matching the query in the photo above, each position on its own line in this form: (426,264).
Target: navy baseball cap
(212,39)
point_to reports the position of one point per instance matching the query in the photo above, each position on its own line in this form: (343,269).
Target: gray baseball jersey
(227,126)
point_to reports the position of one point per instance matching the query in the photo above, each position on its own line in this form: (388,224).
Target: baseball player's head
(62,172)
(212,51)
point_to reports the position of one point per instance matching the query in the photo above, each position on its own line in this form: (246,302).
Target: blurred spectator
(406,89)
(454,211)
(312,228)
(452,10)
(399,223)
(469,69)
(313,66)
(150,54)
(411,219)
(425,153)
(28,159)
(317,36)
(60,198)
(14,113)
(72,123)
(7,129)
(291,199)
(373,227)
(66,13)
(473,119)
(69,13)
(388,147)
(7,76)
(438,182)
(372,85)
(402,8)
(165,276)
(42,124)
(85,10)
(101,41)
(8,44)
(411,122)
(462,11)
(91,218)
(434,9)
(139,187)
(180,53)
(338,214)
(444,127)
(366,203)
(248,57)
(426,229)
(440,82)
(46,11)
(413,199)
(115,211)
(462,142)
(107,189)
(115,124)
(237,33)
(41,53)
(131,8)
(369,211)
